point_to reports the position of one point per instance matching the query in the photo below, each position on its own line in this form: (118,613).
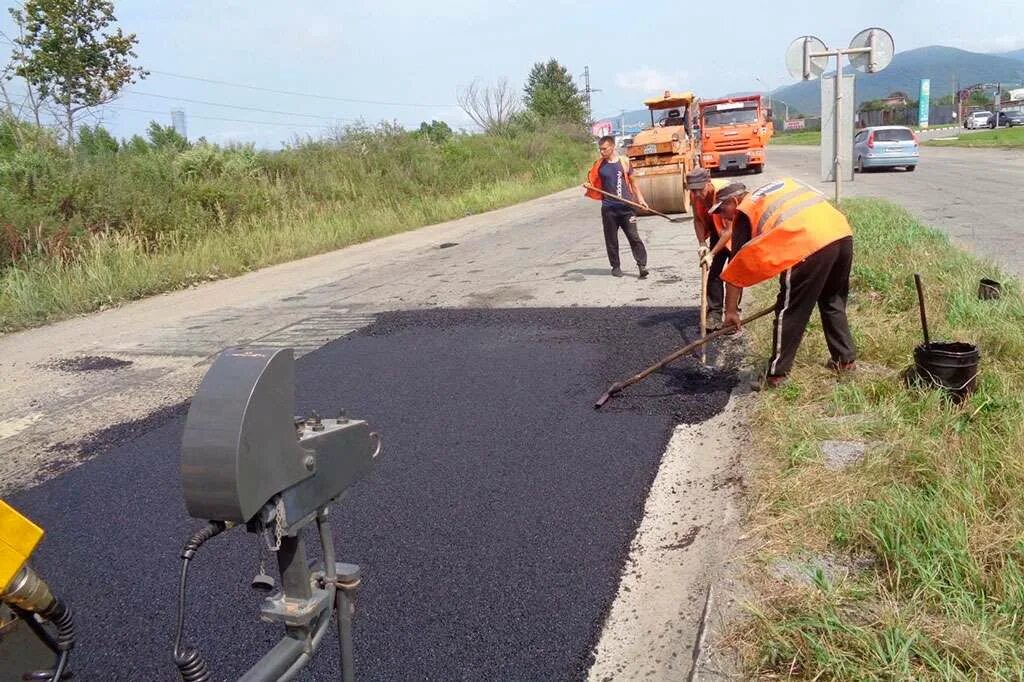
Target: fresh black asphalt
(491,535)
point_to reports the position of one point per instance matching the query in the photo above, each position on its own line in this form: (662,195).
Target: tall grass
(113,222)
(938,504)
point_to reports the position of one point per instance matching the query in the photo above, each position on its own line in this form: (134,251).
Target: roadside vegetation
(108,222)
(802,137)
(88,221)
(1009,138)
(912,560)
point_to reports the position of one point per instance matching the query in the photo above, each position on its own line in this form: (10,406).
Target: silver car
(885,147)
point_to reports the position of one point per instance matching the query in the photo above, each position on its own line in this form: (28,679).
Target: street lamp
(766,89)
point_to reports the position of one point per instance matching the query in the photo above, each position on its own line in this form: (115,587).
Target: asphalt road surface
(492,534)
(974,195)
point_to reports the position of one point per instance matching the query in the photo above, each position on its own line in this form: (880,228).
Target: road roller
(663,154)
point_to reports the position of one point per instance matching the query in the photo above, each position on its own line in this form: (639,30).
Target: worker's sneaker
(643,272)
(841,367)
(714,321)
(767,382)
(616,272)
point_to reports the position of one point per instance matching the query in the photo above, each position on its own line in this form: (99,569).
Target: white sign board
(828,123)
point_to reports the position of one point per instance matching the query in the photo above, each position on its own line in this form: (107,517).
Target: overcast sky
(420,52)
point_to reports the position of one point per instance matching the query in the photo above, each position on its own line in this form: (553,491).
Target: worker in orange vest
(614,175)
(713,237)
(788,228)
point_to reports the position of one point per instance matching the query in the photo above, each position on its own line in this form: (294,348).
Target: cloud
(648,80)
(1004,43)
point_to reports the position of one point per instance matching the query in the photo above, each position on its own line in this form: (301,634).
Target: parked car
(885,147)
(1007,119)
(977,119)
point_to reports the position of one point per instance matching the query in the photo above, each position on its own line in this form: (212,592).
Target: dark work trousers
(823,280)
(614,219)
(716,288)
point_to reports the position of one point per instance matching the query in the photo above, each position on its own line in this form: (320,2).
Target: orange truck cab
(734,133)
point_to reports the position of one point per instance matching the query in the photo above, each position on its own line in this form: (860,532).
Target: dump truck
(663,154)
(734,133)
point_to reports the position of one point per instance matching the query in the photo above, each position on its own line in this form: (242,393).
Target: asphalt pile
(491,535)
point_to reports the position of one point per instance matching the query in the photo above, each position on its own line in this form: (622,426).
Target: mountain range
(943,65)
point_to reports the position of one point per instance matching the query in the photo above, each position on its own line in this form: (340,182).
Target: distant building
(178,123)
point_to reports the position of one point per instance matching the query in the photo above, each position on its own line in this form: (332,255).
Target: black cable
(189,661)
(59,614)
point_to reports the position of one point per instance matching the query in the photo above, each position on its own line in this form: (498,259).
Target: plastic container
(989,289)
(949,365)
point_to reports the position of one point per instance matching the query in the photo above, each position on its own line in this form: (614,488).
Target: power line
(218,118)
(237,106)
(300,94)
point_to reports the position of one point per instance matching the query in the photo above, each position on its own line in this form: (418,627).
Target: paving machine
(663,154)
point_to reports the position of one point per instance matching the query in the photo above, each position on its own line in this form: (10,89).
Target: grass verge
(803,137)
(1009,138)
(913,558)
(114,269)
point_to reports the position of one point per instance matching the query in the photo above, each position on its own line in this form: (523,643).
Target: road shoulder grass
(115,269)
(1007,138)
(910,563)
(804,137)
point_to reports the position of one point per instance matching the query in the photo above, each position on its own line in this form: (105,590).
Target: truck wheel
(759,169)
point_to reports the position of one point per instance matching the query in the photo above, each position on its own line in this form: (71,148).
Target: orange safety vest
(594,178)
(789,221)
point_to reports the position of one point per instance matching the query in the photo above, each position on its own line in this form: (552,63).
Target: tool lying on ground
(675,355)
(633,204)
(29,597)
(245,459)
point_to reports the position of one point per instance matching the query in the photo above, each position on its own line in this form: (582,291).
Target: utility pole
(586,94)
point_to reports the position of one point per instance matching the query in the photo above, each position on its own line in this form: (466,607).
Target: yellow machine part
(18,539)
(662,187)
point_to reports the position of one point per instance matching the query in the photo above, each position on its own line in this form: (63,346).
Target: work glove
(705,261)
(702,251)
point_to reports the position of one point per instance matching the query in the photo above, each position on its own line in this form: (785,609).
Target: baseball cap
(728,192)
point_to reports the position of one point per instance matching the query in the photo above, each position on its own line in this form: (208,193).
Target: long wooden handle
(703,308)
(675,355)
(631,203)
(920,303)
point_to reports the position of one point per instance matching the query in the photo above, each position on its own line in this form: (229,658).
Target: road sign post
(807,57)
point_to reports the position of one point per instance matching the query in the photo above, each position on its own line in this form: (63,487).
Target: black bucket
(950,365)
(989,289)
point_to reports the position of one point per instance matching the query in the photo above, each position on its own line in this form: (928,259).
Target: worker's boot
(643,271)
(840,367)
(714,320)
(766,382)
(616,272)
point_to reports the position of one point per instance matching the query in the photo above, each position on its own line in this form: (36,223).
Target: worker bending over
(614,175)
(713,235)
(789,229)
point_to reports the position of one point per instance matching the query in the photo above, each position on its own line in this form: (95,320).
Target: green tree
(551,93)
(166,137)
(96,140)
(435,131)
(73,56)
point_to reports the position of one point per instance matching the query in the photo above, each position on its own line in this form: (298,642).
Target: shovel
(633,204)
(675,355)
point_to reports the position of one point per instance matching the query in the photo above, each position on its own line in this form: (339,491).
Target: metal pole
(836,113)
